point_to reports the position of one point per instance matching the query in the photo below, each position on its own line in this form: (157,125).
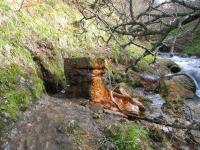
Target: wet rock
(176,90)
(174,68)
(144,80)
(192,111)
(125,89)
(166,66)
(164,48)
(182,86)
(154,106)
(149,82)
(196,135)
(182,40)
(163,87)
(85,76)
(80,72)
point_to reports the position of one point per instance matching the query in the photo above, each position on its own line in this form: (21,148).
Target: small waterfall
(196,84)
(191,67)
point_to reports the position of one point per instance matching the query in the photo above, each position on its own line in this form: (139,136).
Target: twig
(21,5)
(177,126)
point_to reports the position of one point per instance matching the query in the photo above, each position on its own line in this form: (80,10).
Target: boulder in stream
(176,90)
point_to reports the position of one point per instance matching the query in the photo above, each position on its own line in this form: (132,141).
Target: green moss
(143,64)
(18,87)
(137,52)
(116,53)
(14,101)
(193,48)
(51,21)
(38,87)
(14,77)
(9,75)
(4,7)
(128,136)
(174,32)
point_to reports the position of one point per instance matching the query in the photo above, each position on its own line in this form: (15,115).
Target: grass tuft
(128,137)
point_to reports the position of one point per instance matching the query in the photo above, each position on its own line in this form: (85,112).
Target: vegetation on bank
(41,34)
(45,32)
(128,136)
(19,87)
(193,48)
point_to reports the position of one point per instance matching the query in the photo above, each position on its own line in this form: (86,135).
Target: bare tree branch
(118,17)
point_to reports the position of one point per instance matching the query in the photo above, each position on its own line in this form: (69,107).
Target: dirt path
(55,124)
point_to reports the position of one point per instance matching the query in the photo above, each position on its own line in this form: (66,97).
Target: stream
(189,66)
(45,124)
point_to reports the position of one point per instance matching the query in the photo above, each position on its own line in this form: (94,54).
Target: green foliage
(14,101)
(193,48)
(50,21)
(128,136)
(136,52)
(37,87)
(110,70)
(4,6)
(20,31)
(17,89)
(143,64)
(9,75)
(116,53)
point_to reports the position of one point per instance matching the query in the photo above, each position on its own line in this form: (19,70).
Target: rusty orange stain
(88,73)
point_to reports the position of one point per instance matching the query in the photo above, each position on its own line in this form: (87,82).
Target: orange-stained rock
(84,76)
(176,90)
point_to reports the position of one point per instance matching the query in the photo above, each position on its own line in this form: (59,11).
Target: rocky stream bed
(56,122)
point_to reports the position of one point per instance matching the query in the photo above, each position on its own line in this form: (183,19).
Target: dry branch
(157,19)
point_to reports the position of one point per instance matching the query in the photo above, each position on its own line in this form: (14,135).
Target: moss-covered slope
(33,42)
(36,37)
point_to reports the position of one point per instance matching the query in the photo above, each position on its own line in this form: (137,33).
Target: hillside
(36,37)
(33,42)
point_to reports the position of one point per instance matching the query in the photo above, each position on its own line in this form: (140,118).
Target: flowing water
(155,108)
(191,67)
